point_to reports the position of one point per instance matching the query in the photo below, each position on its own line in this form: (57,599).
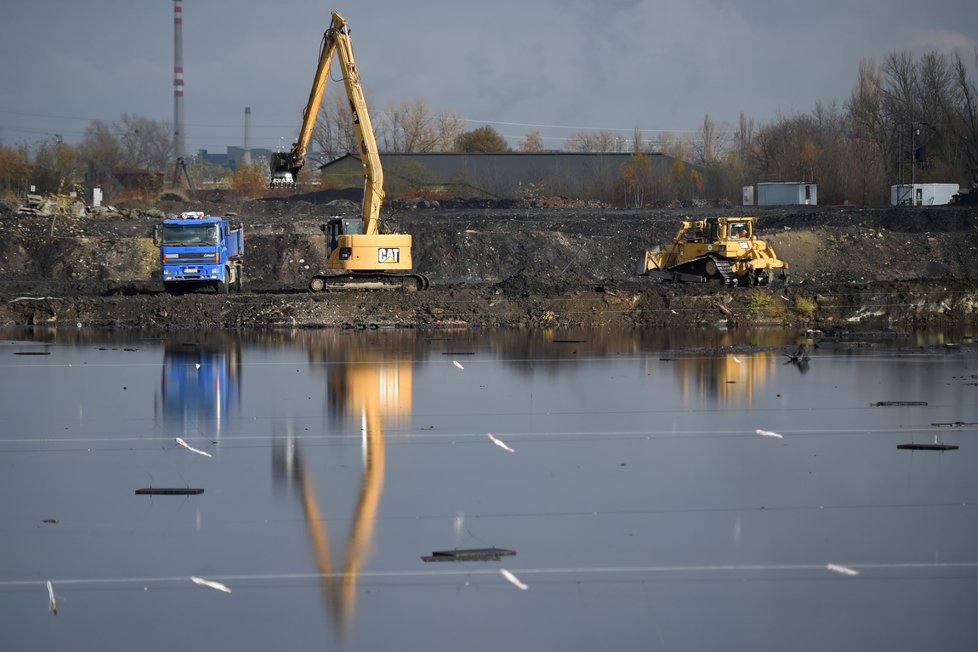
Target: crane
(358,255)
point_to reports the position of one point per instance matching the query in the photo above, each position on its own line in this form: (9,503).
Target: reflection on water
(368,380)
(640,496)
(200,385)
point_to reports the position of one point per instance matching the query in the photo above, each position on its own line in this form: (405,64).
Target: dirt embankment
(498,267)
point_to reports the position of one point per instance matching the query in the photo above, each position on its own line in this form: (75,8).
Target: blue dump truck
(200,251)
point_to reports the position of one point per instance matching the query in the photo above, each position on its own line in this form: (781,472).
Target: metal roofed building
(495,174)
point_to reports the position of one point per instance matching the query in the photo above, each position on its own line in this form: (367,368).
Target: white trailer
(923,194)
(785,193)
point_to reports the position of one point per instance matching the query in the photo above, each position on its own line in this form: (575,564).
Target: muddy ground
(495,266)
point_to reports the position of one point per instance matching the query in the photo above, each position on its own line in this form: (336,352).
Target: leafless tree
(596,141)
(145,143)
(532,142)
(334,132)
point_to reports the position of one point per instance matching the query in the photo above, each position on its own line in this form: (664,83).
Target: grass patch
(806,306)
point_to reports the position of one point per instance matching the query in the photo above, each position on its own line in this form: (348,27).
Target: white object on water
(768,433)
(192,449)
(515,581)
(457,364)
(52,603)
(210,584)
(500,443)
(737,360)
(842,570)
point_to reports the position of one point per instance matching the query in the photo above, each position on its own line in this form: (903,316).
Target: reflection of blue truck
(200,386)
(198,250)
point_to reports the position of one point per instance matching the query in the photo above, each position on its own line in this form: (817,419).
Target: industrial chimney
(179,140)
(246,158)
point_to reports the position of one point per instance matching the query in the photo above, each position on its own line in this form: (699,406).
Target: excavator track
(372,281)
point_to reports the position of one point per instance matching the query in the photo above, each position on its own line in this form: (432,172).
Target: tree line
(906,118)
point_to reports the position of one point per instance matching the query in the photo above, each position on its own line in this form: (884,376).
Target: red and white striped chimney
(179,140)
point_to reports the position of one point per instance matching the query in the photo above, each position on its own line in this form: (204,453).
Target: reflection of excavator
(358,256)
(717,248)
(369,390)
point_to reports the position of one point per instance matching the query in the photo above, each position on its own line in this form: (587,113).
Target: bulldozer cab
(738,229)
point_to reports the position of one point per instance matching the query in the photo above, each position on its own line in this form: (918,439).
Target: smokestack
(247,144)
(179,141)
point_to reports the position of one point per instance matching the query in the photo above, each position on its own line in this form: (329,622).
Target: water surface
(645,510)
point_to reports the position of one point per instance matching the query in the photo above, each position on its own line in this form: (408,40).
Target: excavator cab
(337,227)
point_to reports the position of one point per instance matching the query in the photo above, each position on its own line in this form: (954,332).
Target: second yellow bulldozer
(720,249)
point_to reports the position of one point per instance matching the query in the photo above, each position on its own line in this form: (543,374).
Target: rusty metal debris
(169,491)
(927,447)
(469,554)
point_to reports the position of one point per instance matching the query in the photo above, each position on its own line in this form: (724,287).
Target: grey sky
(556,66)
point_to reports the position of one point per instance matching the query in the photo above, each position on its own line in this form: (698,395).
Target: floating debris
(169,491)
(52,603)
(191,448)
(457,364)
(51,521)
(469,554)
(500,443)
(32,353)
(217,586)
(569,341)
(899,403)
(927,447)
(768,433)
(956,424)
(737,360)
(515,581)
(842,570)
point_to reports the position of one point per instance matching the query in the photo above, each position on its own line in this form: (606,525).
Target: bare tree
(532,142)
(334,132)
(145,143)
(708,136)
(596,141)
(966,119)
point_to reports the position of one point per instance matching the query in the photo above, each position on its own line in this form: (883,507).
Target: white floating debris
(674,312)
(210,584)
(196,365)
(192,449)
(52,603)
(737,360)
(515,581)
(457,364)
(842,570)
(500,443)
(768,433)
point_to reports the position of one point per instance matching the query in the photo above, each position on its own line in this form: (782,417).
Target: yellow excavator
(358,255)
(715,249)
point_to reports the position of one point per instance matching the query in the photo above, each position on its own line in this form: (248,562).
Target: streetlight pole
(914,129)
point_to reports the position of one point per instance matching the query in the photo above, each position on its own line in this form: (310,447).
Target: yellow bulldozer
(716,249)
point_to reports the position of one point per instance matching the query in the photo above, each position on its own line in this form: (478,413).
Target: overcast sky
(554,66)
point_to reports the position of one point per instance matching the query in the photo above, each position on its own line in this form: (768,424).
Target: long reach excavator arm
(286,166)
